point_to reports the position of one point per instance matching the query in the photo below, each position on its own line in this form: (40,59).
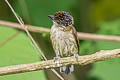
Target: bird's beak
(51,16)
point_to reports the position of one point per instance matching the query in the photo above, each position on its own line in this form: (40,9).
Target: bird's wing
(76,37)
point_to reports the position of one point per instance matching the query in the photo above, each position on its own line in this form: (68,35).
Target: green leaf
(18,51)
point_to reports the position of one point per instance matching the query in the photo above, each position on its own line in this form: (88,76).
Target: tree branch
(81,35)
(82,60)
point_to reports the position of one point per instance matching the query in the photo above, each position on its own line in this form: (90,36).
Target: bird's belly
(64,44)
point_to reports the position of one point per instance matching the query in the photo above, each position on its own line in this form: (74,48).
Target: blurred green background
(93,16)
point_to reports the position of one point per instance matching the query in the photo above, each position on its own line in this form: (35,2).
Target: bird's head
(62,18)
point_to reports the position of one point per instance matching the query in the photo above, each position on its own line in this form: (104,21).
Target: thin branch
(81,35)
(30,37)
(25,28)
(82,60)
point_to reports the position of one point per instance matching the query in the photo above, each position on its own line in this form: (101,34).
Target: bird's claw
(57,57)
(76,56)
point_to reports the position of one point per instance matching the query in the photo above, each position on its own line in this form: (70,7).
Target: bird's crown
(63,18)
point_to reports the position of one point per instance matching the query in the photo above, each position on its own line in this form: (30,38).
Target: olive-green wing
(76,37)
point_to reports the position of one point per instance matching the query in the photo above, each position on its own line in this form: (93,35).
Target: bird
(64,38)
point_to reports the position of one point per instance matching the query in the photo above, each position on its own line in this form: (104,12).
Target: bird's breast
(63,42)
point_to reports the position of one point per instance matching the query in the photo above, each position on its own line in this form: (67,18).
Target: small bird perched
(64,38)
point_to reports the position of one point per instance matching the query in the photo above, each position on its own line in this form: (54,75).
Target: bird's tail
(67,69)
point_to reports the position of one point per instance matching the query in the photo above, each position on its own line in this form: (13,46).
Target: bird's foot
(57,57)
(76,56)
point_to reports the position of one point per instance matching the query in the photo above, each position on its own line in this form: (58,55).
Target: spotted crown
(63,18)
